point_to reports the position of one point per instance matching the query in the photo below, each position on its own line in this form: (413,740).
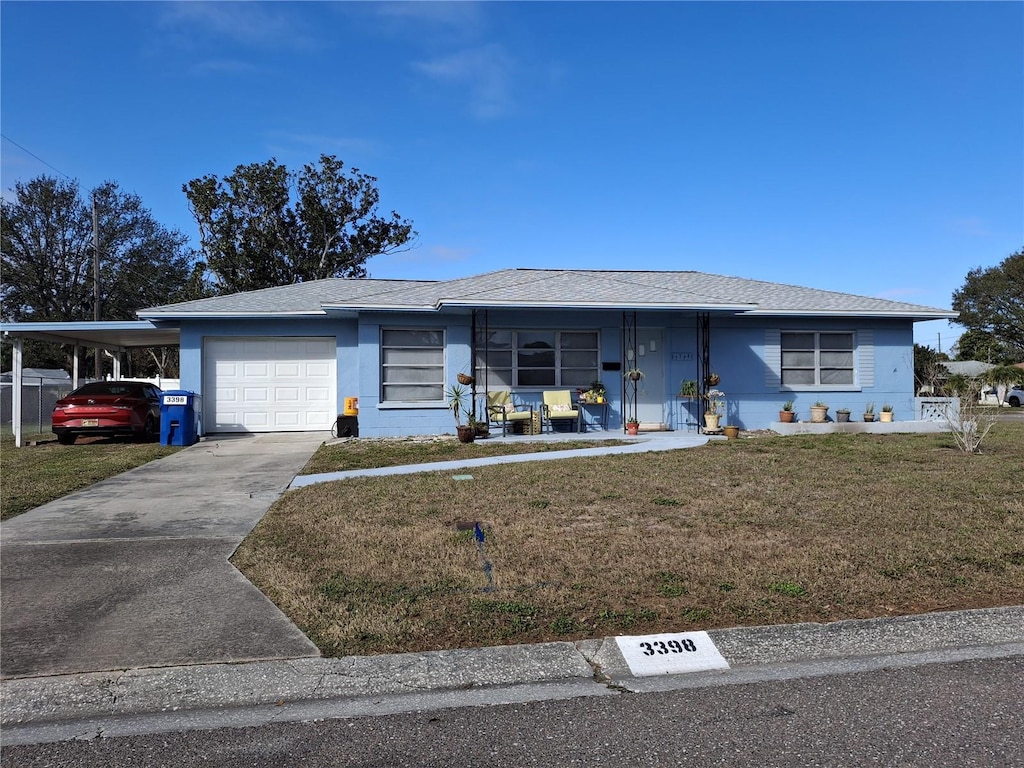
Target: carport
(115,337)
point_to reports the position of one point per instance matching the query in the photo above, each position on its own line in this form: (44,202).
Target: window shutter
(866,357)
(772,358)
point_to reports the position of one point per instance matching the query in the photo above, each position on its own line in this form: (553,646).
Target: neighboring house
(39,376)
(284,359)
(971,369)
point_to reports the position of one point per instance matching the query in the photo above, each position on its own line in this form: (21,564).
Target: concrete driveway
(133,571)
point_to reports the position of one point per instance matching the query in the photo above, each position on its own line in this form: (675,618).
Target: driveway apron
(133,571)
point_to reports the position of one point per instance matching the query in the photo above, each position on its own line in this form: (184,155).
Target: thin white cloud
(461,19)
(222,67)
(258,25)
(485,72)
(972,226)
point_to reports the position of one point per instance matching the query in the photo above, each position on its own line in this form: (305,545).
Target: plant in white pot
(819,412)
(714,409)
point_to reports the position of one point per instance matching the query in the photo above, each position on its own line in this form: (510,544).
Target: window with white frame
(412,365)
(537,358)
(817,358)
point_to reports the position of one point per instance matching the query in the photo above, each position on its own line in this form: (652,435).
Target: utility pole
(98,369)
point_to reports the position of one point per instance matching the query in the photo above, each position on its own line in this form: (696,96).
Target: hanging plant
(713,379)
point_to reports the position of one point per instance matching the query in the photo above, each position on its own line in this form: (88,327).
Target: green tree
(982,345)
(46,253)
(992,301)
(264,226)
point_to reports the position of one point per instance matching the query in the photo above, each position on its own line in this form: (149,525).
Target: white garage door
(277,384)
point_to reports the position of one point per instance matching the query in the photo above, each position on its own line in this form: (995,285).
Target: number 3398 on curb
(668,654)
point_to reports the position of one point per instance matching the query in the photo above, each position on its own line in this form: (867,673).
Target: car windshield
(109,388)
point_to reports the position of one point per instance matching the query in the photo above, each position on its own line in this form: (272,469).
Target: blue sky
(870,148)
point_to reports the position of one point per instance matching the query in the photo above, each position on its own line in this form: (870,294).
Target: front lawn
(35,474)
(761,531)
(389,452)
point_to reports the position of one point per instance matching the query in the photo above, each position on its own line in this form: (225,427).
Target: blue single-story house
(284,359)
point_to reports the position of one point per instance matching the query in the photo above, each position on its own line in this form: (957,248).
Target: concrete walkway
(133,571)
(645,443)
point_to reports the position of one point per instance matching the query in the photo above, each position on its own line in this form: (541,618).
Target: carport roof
(111,335)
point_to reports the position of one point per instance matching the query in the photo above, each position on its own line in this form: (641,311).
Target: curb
(205,696)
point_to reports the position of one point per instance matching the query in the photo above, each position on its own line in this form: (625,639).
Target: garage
(269,384)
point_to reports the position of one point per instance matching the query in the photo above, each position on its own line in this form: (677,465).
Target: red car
(108,408)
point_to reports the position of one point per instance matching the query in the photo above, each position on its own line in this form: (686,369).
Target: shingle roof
(297,299)
(552,288)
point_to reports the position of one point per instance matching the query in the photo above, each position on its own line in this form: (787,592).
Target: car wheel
(1015,401)
(148,433)
(66,438)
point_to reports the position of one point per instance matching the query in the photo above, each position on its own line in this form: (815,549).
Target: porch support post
(16,359)
(76,359)
(703,364)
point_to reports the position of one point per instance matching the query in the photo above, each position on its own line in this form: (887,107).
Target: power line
(37,157)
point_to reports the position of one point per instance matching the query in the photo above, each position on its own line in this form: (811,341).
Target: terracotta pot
(787,417)
(732,432)
(466,433)
(632,428)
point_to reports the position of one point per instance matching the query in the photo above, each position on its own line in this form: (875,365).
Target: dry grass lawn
(760,531)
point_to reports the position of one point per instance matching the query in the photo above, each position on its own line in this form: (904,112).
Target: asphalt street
(962,714)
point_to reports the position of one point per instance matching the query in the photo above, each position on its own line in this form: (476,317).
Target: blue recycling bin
(180,417)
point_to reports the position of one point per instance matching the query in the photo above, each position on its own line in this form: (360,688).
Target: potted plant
(459,399)
(714,409)
(632,426)
(869,412)
(886,414)
(633,374)
(597,391)
(842,414)
(819,413)
(480,426)
(731,432)
(713,379)
(787,415)
(688,388)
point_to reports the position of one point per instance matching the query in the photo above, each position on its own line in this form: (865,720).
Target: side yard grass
(759,531)
(35,474)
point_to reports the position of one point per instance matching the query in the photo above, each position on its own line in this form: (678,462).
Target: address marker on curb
(670,654)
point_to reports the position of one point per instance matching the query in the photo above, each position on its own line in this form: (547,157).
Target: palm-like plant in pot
(459,401)
(787,415)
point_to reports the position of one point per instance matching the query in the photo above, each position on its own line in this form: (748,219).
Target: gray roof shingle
(550,288)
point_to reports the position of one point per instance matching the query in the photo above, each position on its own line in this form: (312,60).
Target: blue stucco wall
(738,355)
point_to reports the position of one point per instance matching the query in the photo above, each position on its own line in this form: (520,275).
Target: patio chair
(502,410)
(558,407)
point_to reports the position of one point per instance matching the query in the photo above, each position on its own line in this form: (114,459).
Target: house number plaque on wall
(670,654)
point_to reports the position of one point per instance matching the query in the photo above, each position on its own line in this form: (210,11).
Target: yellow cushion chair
(558,407)
(501,410)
